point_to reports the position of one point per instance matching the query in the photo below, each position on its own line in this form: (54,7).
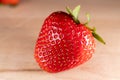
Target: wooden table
(19,28)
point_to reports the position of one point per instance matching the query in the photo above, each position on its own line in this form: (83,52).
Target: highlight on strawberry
(64,42)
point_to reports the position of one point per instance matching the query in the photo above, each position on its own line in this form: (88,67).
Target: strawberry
(5,2)
(10,2)
(64,42)
(14,2)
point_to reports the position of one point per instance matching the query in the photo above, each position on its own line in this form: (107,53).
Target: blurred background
(20,25)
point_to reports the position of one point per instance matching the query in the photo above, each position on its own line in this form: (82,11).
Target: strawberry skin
(63,44)
(10,2)
(14,2)
(5,2)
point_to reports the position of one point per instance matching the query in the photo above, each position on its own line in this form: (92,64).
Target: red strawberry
(5,1)
(64,42)
(14,2)
(10,2)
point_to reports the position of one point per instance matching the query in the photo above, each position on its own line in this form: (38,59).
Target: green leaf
(98,37)
(89,28)
(69,11)
(88,18)
(76,11)
(94,29)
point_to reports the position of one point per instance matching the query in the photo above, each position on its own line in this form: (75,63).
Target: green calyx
(74,15)
(96,36)
(93,30)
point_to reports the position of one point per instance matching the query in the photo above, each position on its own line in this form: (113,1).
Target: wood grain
(19,28)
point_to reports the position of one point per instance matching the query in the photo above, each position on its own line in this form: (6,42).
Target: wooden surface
(19,28)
